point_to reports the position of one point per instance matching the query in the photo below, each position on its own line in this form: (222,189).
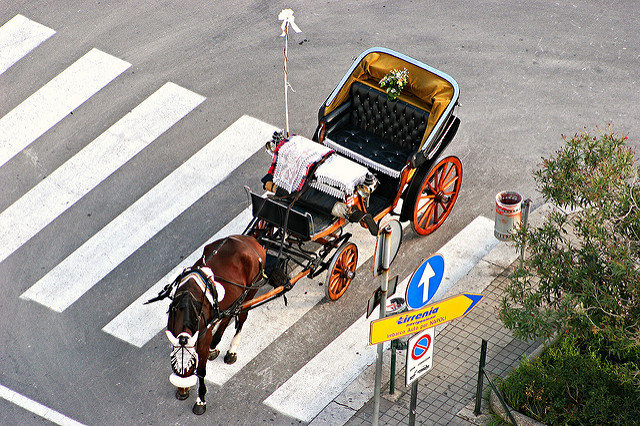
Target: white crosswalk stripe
(78,273)
(55,100)
(18,37)
(79,175)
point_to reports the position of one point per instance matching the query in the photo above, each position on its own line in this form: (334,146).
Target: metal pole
(526,209)
(386,248)
(483,359)
(392,378)
(414,400)
(286,82)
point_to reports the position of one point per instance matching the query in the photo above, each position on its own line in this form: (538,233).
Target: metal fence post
(483,359)
(392,378)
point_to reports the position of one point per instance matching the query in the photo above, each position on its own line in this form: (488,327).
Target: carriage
(369,157)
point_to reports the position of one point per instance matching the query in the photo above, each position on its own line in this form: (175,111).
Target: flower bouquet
(393,82)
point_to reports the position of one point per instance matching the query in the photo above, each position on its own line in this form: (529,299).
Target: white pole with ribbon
(286,16)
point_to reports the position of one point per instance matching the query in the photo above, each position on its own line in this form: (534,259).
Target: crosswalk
(73,277)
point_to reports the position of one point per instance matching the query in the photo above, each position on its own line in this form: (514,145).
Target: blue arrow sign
(425,282)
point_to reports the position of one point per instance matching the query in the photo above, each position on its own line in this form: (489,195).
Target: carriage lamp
(367,187)
(276,138)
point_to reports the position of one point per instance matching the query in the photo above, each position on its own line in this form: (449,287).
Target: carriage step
(360,216)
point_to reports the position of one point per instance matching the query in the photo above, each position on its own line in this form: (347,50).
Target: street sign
(425,282)
(411,322)
(394,245)
(376,297)
(419,355)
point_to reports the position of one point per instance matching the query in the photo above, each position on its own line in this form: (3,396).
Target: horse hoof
(230,358)
(182,393)
(199,409)
(213,354)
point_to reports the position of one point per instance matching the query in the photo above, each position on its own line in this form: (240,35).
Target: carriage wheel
(438,193)
(341,271)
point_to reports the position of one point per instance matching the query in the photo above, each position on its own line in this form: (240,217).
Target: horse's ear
(193,340)
(172,338)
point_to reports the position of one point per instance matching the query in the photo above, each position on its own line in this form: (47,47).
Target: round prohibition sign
(421,347)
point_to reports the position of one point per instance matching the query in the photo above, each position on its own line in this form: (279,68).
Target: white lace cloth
(338,176)
(294,159)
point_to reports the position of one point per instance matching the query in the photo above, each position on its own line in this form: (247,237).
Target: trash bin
(508,214)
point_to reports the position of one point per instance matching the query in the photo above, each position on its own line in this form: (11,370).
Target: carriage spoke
(428,214)
(429,200)
(448,184)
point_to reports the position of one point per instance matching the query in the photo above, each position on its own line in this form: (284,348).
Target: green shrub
(581,270)
(576,382)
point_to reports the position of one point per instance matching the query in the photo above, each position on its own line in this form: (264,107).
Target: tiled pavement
(446,394)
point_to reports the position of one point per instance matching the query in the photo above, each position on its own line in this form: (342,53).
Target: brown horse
(201,309)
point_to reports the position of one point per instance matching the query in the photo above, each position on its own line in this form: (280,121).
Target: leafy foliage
(582,270)
(575,383)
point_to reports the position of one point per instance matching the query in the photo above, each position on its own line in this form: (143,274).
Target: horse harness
(209,286)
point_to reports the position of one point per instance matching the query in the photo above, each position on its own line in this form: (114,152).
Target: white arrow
(424,282)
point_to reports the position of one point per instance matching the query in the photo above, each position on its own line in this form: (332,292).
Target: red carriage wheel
(437,195)
(341,271)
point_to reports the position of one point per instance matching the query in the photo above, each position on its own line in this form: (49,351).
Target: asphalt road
(529,72)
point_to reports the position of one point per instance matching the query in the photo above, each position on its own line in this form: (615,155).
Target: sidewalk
(446,394)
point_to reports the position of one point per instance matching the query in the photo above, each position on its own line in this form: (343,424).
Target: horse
(207,296)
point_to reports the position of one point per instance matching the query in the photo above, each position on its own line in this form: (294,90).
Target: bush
(582,269)
(575,383)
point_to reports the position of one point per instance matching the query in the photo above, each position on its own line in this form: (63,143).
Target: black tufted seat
(374,131)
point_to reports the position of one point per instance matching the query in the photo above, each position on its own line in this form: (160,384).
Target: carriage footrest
(360,216)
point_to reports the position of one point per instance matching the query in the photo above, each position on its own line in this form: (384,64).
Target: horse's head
(183,331)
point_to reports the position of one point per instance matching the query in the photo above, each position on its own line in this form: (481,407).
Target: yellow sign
(410,322)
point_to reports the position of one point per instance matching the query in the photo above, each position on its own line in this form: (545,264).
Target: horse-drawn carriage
(367,154)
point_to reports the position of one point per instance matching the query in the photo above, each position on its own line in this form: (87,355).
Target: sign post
(385,261)
(419,361)
(420,321)
(375,298)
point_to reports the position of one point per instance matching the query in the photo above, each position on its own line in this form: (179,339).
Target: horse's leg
(200,405)
(182,393)
(217,336)
(232,354)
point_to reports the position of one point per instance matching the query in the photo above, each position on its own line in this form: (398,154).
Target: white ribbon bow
(286,16)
